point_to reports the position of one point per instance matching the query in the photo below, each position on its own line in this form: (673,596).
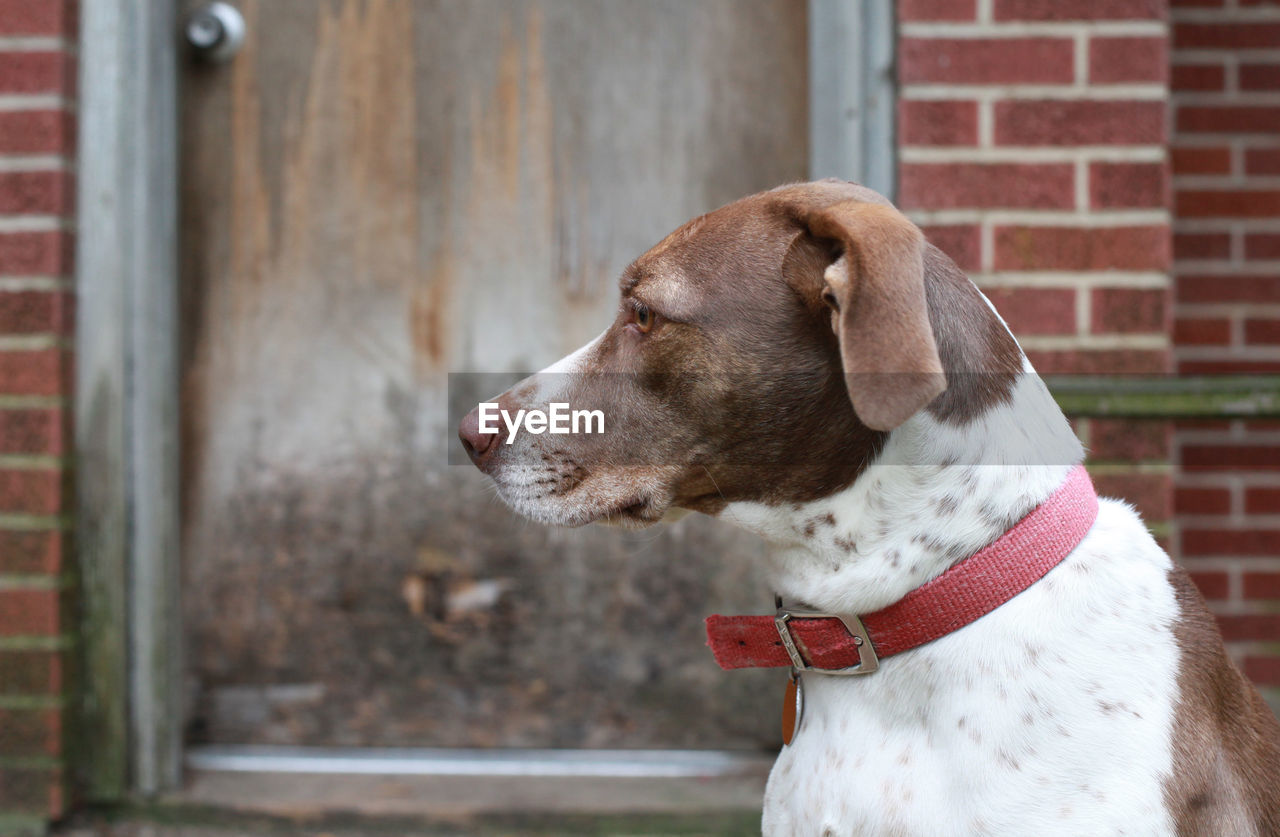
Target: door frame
(128,735)
(127,405)
(853,95)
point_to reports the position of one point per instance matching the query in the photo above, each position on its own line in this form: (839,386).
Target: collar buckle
(868,662)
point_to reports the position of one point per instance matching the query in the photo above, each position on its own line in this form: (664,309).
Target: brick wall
(1226,174)
(37,88)
(1032,141)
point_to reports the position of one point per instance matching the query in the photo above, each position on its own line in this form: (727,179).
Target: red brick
(1202,500)
(1036,310)
(1129,310)
(1079,9)
(1260,76)
(30,732)
(1150,494)
(36,132)
(1197,4)
(1081,248)
(1264,542)
(962,242)
(32,491)
(1197,425)
(1131,441)
(1199,160)
(1254,626)
(1201,331)
(1262,500)
(1228,367)
(42,17)
(1066,123)
(1235,35)
(1227,203)
(986,60)
(1265,671)
(46,192)
(27,253)
(937,123)
(30,673)
(917,10)
(1201,246)
(1262,161)
(1212,585)
(1099,362)
(1228,456)
(1262,246)
(1262,332)
(31,431)
(1229,119)
(38,372)
(30,552)
(1264,585)
(31,790)
(1116,60)
(28,613)
(34,72)
(1128,185)
(1197,77)
(986,185)
(33,312)
(1228,288)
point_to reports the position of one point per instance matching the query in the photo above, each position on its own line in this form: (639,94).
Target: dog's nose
(477,444)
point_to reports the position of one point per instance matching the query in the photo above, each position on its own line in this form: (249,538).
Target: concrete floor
(225,804)
(720,825)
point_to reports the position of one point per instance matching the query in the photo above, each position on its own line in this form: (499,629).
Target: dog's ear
(876,287)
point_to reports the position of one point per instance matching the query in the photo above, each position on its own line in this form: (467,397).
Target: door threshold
(396,761)
(457,785)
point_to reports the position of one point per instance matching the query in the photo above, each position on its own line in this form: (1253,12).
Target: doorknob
(216,31)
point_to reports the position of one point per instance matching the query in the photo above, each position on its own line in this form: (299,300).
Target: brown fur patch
(887,348)
(981,358)
(1226,740)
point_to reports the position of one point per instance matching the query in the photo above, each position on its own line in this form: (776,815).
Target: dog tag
(792,709)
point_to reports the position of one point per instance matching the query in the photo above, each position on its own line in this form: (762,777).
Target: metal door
(376,193)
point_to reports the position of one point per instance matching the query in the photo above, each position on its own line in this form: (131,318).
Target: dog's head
(760,352)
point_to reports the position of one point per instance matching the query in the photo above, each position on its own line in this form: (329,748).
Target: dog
(802,363)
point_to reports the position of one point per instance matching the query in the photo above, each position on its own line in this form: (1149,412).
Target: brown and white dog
(803,364)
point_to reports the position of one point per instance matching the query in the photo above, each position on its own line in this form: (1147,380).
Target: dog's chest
(1051,715)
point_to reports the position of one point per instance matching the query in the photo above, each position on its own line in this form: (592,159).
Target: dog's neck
(937,493)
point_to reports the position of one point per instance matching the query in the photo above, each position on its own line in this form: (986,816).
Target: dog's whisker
(715,485)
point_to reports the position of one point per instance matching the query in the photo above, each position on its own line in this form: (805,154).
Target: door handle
(215,31)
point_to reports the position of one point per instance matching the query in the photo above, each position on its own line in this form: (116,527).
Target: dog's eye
(643,318)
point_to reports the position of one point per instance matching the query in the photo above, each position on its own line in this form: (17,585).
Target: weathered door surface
(377,193)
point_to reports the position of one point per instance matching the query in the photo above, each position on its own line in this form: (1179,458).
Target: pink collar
(848,644)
